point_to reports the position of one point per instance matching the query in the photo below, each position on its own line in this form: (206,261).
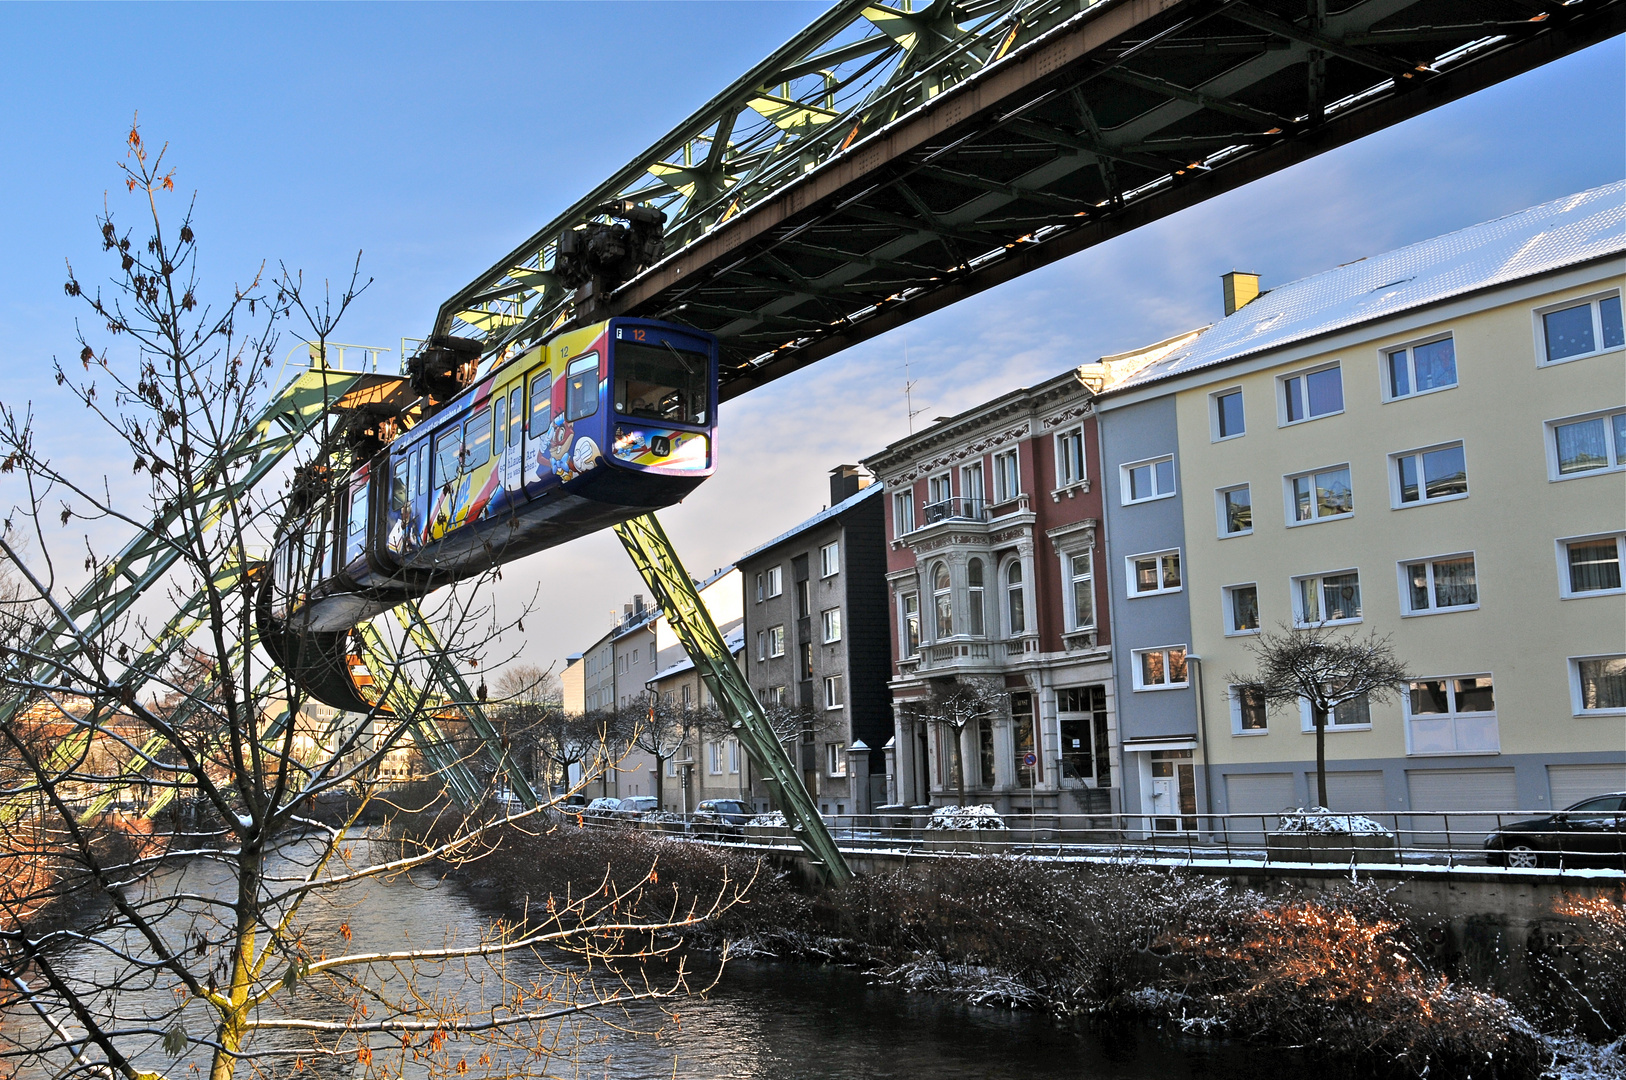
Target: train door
(538,468)
(406,489)
(355,531)
(447,461)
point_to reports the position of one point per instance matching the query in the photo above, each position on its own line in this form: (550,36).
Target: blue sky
(433,138)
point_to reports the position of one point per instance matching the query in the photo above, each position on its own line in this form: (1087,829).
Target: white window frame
(1221,519)
(1297,599)
(1303,374)
(830,620)
(776,581)
(830,559)
(1450,681)
(1126,496)
(1014,480)
(1563,546)
(1289,504)
(776,641)
(903,513)
(1423,498)
(1538,319)
(1162,589)
(1574,665)
(835,693)
(1385,382)
(1307,718)
(836,759)
(973,488)
(1065,460)
(1613,453)
(1005,591)
(939,488)
(1214,433)
(733,755)
(1401,568)
(904,651)
(1228,600)
(1166,650)
(1070,582)
(1234,703)
(762,646)
(714,758)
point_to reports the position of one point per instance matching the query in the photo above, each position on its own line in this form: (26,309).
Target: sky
(433,138)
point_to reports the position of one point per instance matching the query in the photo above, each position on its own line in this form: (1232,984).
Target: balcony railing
(954,510)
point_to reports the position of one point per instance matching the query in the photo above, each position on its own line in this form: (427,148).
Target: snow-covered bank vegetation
(1344,975)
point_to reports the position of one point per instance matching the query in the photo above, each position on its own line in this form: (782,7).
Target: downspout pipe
(1202,738)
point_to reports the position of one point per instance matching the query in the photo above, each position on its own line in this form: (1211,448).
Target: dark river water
(764,1020)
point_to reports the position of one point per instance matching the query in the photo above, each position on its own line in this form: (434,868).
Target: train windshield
(661,382)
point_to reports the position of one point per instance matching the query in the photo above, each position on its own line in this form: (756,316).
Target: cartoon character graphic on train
(555,453)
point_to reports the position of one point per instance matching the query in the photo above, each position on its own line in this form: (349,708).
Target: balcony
(954,510)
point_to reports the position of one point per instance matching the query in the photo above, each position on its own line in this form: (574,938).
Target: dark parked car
(728,811)
(1590,833)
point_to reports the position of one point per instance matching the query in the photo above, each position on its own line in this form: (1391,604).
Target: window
(1227,415)
(974,609)
(715,756)
(1155,572)
(1419,369)
(541,404)
(477,440)
(1589,566)
(516,417)
(777,695)
(971,489)
(1581,445)
(1081,719)
(1007,478)
(1144,481)
(1070,458)
(1015,609)
(1354,714)
(733,755)
(903,514)
(1454,715)
(830,559)
(1435,585)
(1242,609)
(1160,669)
(837,758)
(1247,711)
(776,641)
(762,645)
(499,422)
(448,455)
(805,668)
(1235,509)
(774,580)
(834,692)
(1327,598)
(804,595)
(581,387)
(1320,496)
(1574,330)
(1598,685)
(658,381)
(909,622)
(687,702)
(1081,597)
(1308,395)
(943,601)
(939,490)
(1427,476)
(830,623)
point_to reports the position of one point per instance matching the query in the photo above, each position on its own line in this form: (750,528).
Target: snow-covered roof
(817,519)
(734,640)
(1565,232)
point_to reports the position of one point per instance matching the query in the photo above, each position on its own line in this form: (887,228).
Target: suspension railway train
(592,427)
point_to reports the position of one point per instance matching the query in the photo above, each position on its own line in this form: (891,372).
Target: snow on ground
(965,817)
(1573,1058)
(1318,819)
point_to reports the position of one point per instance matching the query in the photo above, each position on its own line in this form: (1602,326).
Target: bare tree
(953,707)
(218,941)
(659,727)
(1327,668)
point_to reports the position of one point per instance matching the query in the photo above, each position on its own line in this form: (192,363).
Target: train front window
(661,382)
(581,387)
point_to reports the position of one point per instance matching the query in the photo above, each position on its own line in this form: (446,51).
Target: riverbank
(1344,976)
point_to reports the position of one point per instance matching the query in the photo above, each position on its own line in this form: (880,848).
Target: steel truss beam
(680,601)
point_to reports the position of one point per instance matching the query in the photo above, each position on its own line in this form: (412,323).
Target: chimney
(847,481)
(1240,289)
(638,603)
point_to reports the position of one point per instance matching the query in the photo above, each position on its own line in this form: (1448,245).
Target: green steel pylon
(680,601)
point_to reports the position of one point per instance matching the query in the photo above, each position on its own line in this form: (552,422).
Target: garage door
(1265,794)
(1570,784)
(1457,790)
(1353,792)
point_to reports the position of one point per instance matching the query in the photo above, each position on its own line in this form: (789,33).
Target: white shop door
(1570,784)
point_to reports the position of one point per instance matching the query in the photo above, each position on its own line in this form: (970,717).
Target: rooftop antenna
(908,388)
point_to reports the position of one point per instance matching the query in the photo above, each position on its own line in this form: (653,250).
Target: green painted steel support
(680,601)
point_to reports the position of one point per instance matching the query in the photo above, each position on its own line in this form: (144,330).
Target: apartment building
(995,571)
(709,763)
(816,640)
(1428,444)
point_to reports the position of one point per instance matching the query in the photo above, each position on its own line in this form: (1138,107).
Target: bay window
(1452,715)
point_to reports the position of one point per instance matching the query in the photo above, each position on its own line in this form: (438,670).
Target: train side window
(541,404)
(421,472)
(581,387)
(400,482)
(448,451)
(516,415)
(477,440)
(499,423)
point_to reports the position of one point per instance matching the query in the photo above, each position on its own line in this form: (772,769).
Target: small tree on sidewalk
(953,707)
(1327,668)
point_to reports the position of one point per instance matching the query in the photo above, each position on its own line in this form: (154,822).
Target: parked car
(728,811)
(1590,833)
(602,807)
(639,804)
